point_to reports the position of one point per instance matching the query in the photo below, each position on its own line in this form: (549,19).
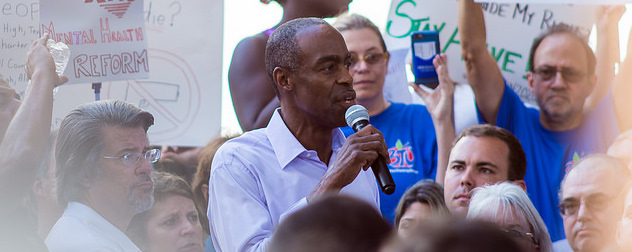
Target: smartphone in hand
(425,46)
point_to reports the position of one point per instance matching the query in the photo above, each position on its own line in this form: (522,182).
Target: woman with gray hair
(508,206)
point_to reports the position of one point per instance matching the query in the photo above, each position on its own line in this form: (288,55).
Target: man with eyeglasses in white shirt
(591,203)
(104,167)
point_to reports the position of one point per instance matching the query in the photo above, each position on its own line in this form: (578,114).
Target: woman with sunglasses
(408,129)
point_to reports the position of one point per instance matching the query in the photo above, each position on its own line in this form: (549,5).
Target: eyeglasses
(132,158)
(570,208)
(569,74)
(369,59)
(523,235)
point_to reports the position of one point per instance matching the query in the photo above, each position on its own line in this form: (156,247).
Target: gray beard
(140,204)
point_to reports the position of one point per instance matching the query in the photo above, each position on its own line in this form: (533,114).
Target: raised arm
(607,52)
(24,143)
(481,70)
(440,105)
(253,96)
(621,90)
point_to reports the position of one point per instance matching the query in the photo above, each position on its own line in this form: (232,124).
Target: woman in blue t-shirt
(409,130)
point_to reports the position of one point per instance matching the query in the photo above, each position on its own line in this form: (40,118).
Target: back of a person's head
(201,177)
(427,192)
(621,148)
(332,224)
(504,201)
(454,236)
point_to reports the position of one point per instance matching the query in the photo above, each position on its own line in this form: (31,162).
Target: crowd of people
(552,178)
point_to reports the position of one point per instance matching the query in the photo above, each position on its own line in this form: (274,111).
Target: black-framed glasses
(369,58)
(132,158)
(569,74)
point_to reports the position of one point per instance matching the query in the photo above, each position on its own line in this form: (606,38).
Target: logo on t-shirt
(402,157)
(570,164)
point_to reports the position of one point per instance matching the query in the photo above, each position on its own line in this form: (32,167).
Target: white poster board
(19,26)
(107,39)
(183,90)
(511,29)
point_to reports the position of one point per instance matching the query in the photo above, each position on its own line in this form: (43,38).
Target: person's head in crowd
(481,155)
(591,201)
(561,97)
(322,9)
(174,167)
(172,223)
(307,60)
(9,104)
(369,59)
(43,198)
(621,148)
(334,223)
(421,202)
(200,180)
(624,229)
(104,160)
(508,206)
(454,235)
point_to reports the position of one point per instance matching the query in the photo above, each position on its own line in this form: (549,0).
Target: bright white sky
(244,18)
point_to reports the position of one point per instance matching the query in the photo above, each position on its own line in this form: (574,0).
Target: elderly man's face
(124,186)
(589,196)
(322,86)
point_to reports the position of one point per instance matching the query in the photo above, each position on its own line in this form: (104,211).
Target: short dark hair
(80,141)
(517,158)
(356,22)
(282,49)
(333,223)
(574,32)
(426,191)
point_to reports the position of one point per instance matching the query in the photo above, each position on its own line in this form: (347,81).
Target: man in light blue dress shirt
(264,175)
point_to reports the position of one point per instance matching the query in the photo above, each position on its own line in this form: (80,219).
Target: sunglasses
(569,74)
(369,59)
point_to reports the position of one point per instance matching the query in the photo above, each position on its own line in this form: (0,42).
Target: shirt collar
(286,147)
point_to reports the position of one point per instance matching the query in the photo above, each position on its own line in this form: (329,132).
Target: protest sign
(107,39)
(183,90)
(511,29)
(184,52)
(19,20)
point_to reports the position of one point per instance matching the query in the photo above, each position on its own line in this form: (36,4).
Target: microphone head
(355,114)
